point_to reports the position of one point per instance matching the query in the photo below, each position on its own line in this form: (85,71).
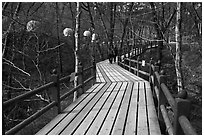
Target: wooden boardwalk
(120,103)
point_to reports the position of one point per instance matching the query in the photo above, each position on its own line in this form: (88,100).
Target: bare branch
(4,6)
(30,8)
(104,25)
(36,9)
(14,88)
(51,48)
(169,20)
(13,65)
(15,20)
(196,12)
(21,84)
(41,98)
(10,26)
(84,7)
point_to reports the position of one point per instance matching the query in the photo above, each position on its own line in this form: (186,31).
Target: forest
(38,37)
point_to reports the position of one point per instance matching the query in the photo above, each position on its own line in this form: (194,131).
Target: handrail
(57,100)
(168,95)
(30,119)
(167,120)
(27,95)
(186,126)
(180,107)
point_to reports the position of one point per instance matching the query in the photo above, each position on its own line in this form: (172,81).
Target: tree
(178,50)
(77,40)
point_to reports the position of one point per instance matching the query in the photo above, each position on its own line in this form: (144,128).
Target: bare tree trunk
(13,46)
(10,27)
(58,40)
(125,25)
(159,32)
(102,21)
(90,16)
(112,22)
(73,16)
(178,48)
(77,31)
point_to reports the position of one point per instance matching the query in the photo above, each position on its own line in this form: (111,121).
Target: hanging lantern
(67,32)
(93,37)
(32,25)
(87,33)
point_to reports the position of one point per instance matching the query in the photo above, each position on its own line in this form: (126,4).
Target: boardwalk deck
(119,103)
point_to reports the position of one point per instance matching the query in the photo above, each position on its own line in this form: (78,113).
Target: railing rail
(179,124)
(57,98)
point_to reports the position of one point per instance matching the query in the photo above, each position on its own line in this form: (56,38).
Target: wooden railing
(176,124)
(57,98)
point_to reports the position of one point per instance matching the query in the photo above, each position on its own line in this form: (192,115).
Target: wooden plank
(73,112)
(46,129)
(104,74)
(108,72)
(83,123)
(117,75)
(142,127)
(86,110)
(98,79)
(119,126)
(130,128)
(124,78)
(110,108)
(98,121)
(107,124)
(128,74)
(99,74)
(152,116)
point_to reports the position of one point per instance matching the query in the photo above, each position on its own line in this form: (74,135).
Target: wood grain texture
(119,103)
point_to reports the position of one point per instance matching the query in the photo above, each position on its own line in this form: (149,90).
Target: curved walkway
(120,103)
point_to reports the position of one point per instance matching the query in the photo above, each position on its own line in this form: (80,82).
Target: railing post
(129,65)
(155,82)
(80,79)
(56,93)
(150,70)
(182,107)
(138,65)
(93,72)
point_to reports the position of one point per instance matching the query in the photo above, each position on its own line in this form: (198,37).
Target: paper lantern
(87,33)
(67,32)
(32,25)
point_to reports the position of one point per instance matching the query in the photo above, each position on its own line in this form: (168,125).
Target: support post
(93,72)
(150,70)
(182,107)
(138,66)
(80,78)
(56,93)
(135,66)
(129,65)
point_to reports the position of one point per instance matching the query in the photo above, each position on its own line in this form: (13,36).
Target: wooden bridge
(118,103)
